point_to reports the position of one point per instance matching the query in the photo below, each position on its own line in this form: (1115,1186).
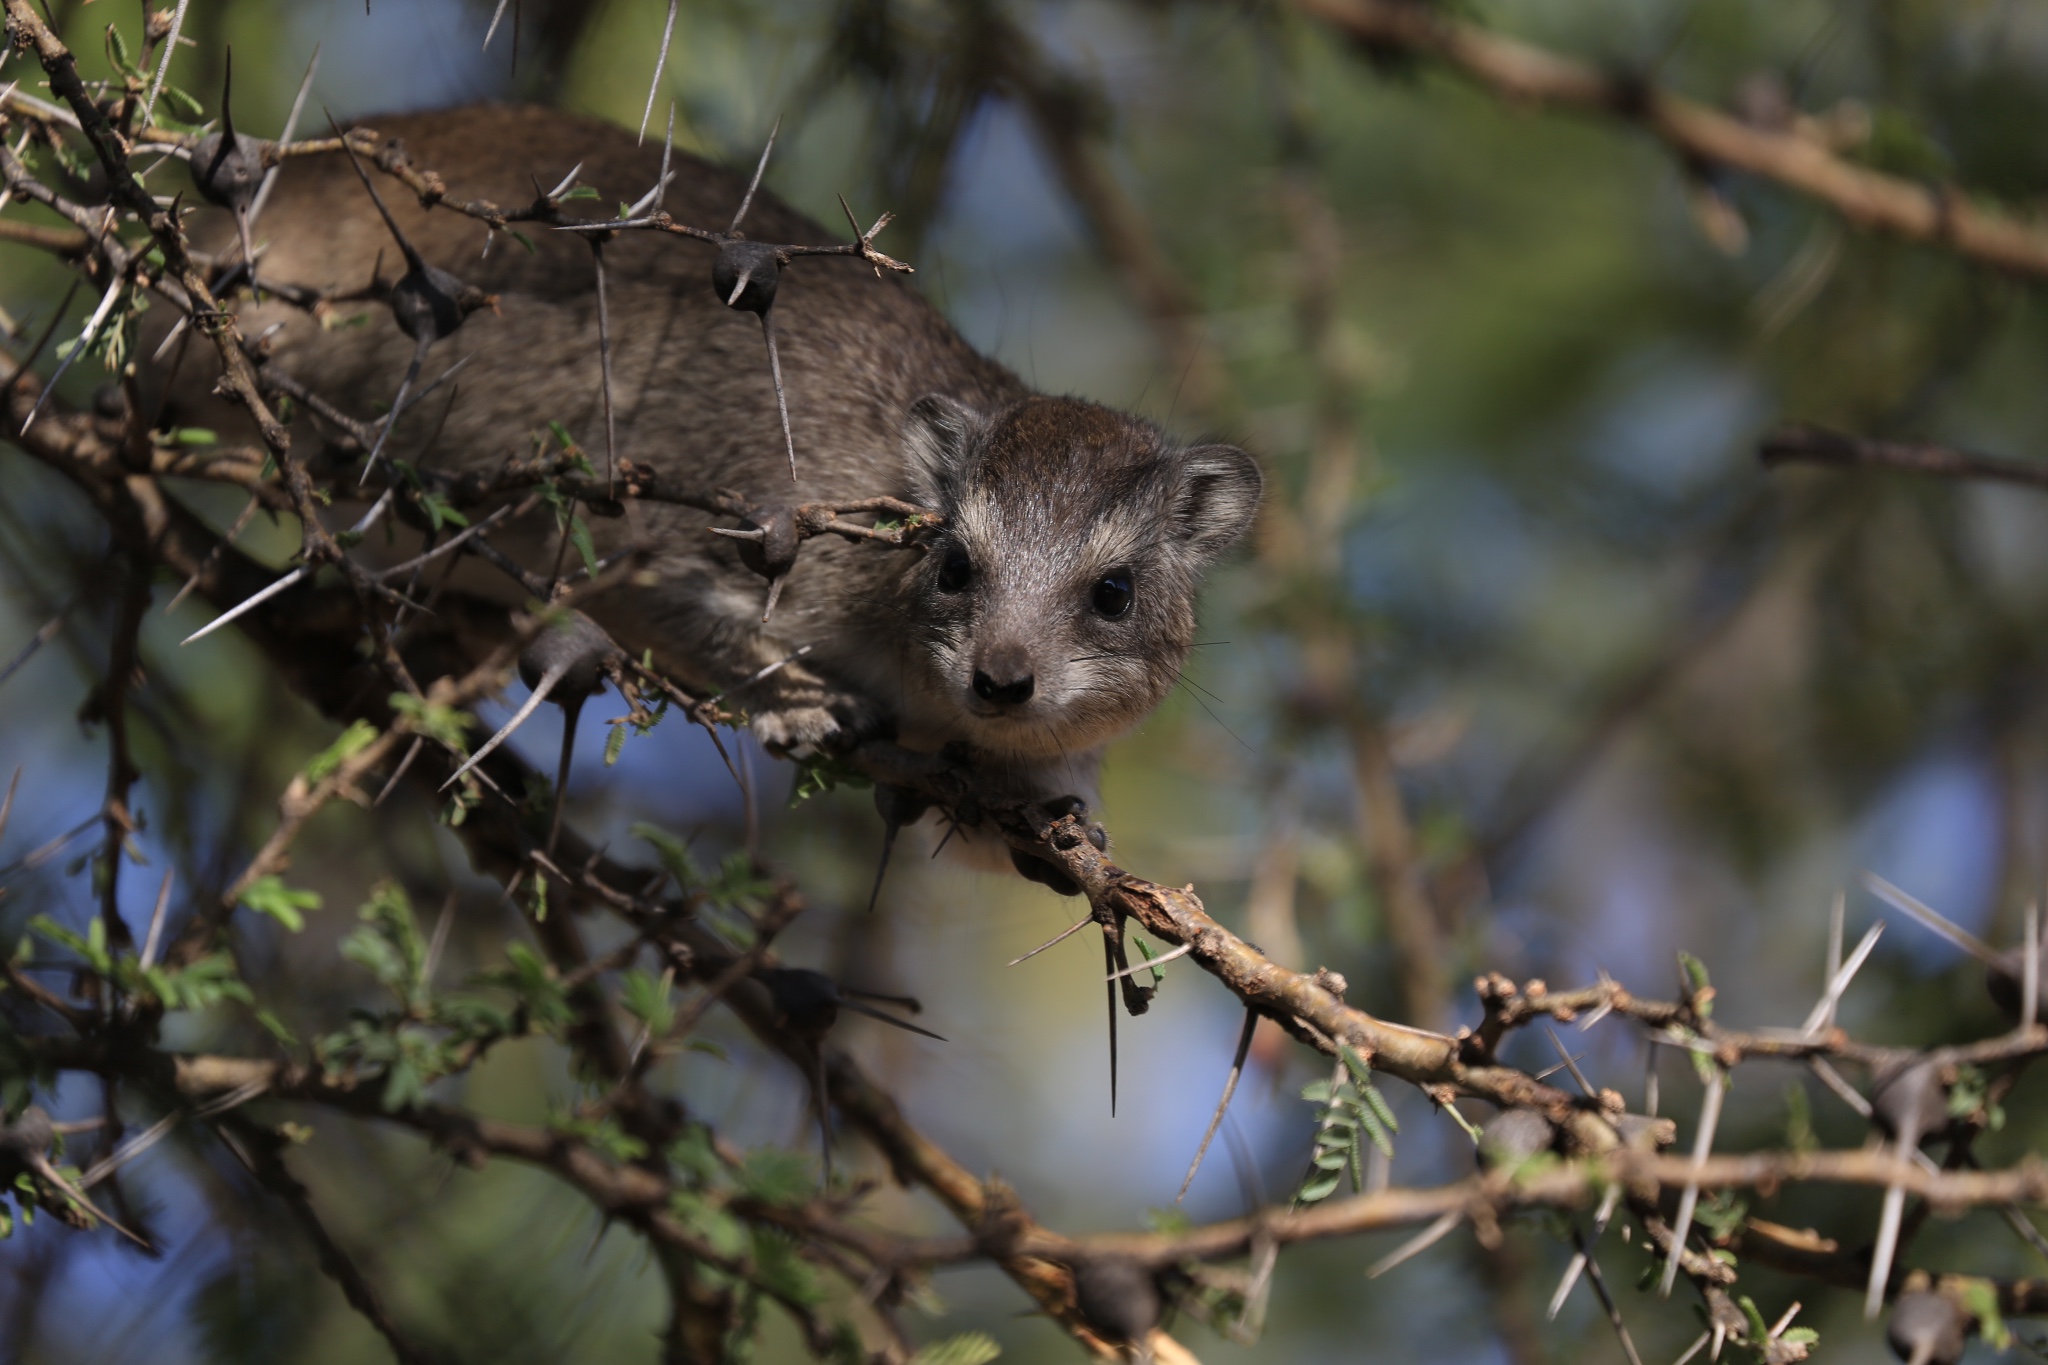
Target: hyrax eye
(1112,595)
(956,572)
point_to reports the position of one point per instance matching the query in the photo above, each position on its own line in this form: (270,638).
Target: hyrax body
(1052,612)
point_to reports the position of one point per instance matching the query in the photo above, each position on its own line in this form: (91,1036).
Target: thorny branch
(309,635)
(1804,445)
(1798,156)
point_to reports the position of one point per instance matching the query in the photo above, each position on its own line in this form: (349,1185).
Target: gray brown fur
(1043,494)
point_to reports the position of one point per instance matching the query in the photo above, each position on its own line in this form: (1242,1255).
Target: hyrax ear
(936,432)
(1216,497)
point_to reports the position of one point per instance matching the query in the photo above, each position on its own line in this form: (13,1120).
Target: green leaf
(276,1028)
(580,192)
(1721,1213)
(774,1175)
(442,724)
(738,881)
(614,745)
(403,1085)
(1376,1129)
(646,997)
(534,985)
(182,102)
(523,240)
(779,1270)
(674,854)
(268,895)
(440,511)
(693,1154)
(1799,1134)
(724,1233)
(1697,983)
(117,53)
(1980,1299)
(388,944)
(202,985)
(586,548)
(819,773)
(1318,1187)
(352,741)
(606,1136)
(1170,1222)
(1144,948)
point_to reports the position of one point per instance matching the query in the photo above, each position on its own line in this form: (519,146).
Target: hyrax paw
(831,722)
(1044,872)
(795,727)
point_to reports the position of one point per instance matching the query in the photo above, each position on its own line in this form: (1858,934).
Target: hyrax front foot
(1046,872)
(816,717)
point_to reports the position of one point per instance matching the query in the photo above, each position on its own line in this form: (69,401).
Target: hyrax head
(1057,604)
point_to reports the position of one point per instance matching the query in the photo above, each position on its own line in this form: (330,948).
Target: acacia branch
(1810,445)
(1526,74)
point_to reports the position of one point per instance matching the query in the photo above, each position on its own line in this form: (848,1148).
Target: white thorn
(1702,1147)
(1163,958)
(519,717)
(1930,918)
(1416,1245)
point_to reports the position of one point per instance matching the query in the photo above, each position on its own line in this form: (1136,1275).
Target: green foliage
(1980,1299)
(1799,1134)
(443,724)
(708,1218)
(568,520)
(389,945)
(1145,951)
(673,852)
(91,946)
(430,1035)
(1699,988)
(114,341)
(534,985)
(410,1056)
(350,742)
(212,980)
(604,1134)
(694,1156)
(1970,1096)
(646,997)
(1169,1222)
(586,548)
(269,895)
(1350,1113)
(440,512)
(818,773)
(1721,1213)
(775,1175)
(780,1271)
(615,742)
(738,882)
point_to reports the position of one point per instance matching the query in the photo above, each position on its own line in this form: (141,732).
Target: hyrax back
(1052,612)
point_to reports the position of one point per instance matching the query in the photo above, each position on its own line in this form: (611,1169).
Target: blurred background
(1532,668)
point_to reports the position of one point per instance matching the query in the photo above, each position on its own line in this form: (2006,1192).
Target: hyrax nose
(1004,677)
